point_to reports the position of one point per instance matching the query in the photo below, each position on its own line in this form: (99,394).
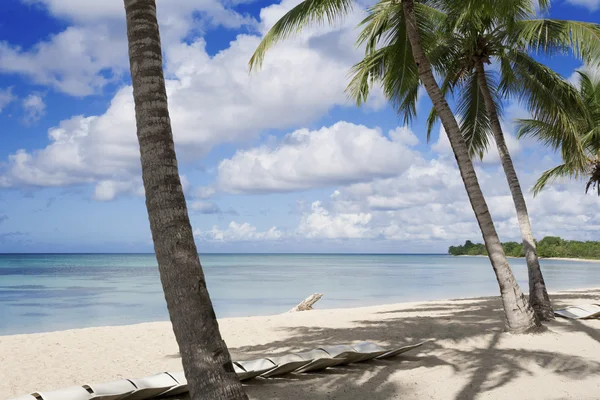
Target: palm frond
(304,14)
(475,122)
(550,36)
(551,175)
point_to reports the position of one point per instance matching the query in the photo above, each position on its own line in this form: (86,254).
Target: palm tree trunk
(206,360)
(538,296)
(520,317)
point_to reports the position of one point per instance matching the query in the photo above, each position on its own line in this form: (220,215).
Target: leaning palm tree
(472,39)
(576,134)
(407,30)
(206,360)
(470,36)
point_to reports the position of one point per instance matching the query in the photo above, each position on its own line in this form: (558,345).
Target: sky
(279,160)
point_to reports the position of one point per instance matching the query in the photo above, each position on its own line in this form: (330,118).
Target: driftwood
(307,304)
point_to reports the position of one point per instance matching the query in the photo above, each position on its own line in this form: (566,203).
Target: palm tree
(480,38)
(576,135)
(407,30)
(470,36)
(206,360)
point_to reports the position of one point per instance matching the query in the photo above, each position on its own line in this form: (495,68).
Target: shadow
(469,347)
(470,356)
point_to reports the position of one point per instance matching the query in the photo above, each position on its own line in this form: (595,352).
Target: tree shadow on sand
(484,364)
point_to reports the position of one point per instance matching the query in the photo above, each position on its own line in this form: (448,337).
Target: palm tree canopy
(575,132)
(460,34)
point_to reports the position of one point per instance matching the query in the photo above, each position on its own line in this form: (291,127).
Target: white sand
(471,357)
(592,260)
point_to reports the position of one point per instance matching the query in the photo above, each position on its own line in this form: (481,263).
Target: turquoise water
(40,293)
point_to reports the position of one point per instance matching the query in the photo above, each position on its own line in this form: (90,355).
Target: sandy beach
(571,259)
(470,358)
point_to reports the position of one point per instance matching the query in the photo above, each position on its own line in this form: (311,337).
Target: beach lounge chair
(116,390)
(400,350)
(582,311)
(253,368)
(343,351)
(285,365)
(182,384)
(152,386)
(319,360)
(72,393)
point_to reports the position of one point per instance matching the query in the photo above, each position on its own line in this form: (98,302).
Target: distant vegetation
(550,246)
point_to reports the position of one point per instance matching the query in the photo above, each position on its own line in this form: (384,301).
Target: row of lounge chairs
(174,383)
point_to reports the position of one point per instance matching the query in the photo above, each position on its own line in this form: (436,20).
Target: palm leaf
(304,14)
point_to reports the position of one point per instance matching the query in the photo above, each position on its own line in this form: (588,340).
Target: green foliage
(573,127)
(469,249)
(550,246)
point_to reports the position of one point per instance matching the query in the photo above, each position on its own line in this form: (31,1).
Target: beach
(469,357)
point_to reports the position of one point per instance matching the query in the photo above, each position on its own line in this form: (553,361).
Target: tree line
(550,246)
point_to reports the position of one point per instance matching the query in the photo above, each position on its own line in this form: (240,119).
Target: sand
(592,260)
(471,357)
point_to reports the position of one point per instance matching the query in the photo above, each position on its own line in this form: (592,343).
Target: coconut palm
(206,360)
(576,135)
(407,31)
(471,36)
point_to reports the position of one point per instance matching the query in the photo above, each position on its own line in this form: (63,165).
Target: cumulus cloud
(6,97)
(78,61)
(34,108)
(428,204)
(209,96)
(442,145)
(321,224)
(236,232)
(341,154)
(92,52)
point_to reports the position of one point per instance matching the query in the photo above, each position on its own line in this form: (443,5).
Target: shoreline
(464,332)
(592,260)
(365,308)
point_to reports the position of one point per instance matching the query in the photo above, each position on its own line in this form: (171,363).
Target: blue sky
(275,161)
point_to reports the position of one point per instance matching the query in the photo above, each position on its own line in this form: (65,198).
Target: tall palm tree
(408,30)
(470,36)
(206,360)
(576,135)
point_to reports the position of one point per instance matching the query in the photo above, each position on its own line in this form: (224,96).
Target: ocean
(50,292)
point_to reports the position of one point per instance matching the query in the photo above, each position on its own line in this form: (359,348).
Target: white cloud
(442,146)
(92,52)
(6,97)
(238,232)
(340,154)
(107,190)
(428,204)
(320,224)
(34,108)
(78,61)
(591,5)
(212,100)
